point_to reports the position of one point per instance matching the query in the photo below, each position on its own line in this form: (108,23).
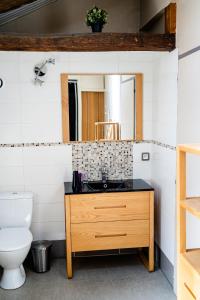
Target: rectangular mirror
(101,107)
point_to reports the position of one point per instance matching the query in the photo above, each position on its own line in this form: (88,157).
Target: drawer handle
(110,235)
(189,290)
(110,207)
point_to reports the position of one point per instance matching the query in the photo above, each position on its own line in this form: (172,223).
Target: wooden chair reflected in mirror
(107,131)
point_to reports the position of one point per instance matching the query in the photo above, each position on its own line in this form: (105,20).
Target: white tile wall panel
(10,133)
(44,169)
(40,133)
(10,92)
(49,193)
(11,188)
(47,174)
(11,175)
(48,212)
(11,157)
(46,155)
(48,230)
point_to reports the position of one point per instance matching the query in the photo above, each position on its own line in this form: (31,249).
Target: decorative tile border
(30,145)
(163,145)
(167,146)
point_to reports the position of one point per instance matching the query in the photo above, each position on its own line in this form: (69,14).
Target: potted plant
(96,18)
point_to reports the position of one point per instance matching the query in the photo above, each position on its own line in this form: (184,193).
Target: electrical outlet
(145,156)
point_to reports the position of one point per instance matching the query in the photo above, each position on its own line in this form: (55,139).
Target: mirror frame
(65,105)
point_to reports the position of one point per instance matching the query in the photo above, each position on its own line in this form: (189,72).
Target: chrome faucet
(104,174)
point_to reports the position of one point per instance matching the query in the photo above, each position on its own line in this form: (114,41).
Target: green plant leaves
(96,15)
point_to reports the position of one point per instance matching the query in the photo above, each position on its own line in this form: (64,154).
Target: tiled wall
(116,157)
(32,114)
(164,158)
(41,170)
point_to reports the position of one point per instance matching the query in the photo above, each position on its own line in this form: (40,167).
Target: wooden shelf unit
(192,257)
(192,205)
(188,261)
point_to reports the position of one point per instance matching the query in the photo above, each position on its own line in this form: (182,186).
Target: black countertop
(131,185)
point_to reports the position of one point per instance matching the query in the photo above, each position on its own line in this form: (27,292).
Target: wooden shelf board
(190,148)
(192,257)
(192,205)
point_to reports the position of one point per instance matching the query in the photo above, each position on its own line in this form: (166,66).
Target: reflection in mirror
(100,107)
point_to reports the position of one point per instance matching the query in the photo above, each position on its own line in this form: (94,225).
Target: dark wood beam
(7,5)
(88,42)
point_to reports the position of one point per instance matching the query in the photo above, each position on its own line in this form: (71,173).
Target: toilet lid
(14,239)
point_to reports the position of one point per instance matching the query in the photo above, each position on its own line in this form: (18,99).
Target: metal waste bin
(41,255)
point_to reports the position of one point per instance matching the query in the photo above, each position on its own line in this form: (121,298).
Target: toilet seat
(12,239)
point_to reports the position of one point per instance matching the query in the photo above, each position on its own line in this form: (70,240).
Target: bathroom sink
(108,185)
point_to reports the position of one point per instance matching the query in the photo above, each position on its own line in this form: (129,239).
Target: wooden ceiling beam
(7,5)
(88,42)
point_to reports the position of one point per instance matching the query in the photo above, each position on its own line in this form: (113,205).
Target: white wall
(164,159)
(66,16)
(89,83)
(112,98)
(165,99)
(31,113)
(150,8)
(127,107)
(161,169)
(188,101)
(188,23)
(119,103)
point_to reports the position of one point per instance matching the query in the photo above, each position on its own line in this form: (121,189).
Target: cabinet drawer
(110,235)
(109,207)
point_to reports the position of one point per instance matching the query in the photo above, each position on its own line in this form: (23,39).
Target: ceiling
(8,5)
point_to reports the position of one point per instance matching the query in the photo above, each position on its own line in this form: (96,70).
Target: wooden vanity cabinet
(109,221)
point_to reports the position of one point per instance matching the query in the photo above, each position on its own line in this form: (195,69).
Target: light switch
(145,156)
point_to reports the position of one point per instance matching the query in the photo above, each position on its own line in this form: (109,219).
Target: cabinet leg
(151,258)
(69,264)
(68,237)
(143,258)
(148,262)
(151,235)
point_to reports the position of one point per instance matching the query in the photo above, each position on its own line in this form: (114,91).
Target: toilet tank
(16,209)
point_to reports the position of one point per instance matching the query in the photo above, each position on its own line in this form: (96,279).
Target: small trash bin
(41,254)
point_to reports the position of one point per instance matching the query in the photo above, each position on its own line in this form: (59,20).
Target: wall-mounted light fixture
(40,70)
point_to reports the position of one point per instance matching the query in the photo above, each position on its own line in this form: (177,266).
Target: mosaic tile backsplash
(116,157)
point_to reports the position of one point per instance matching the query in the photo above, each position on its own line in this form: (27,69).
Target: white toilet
(15,236)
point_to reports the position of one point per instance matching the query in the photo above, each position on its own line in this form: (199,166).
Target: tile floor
(102,278)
